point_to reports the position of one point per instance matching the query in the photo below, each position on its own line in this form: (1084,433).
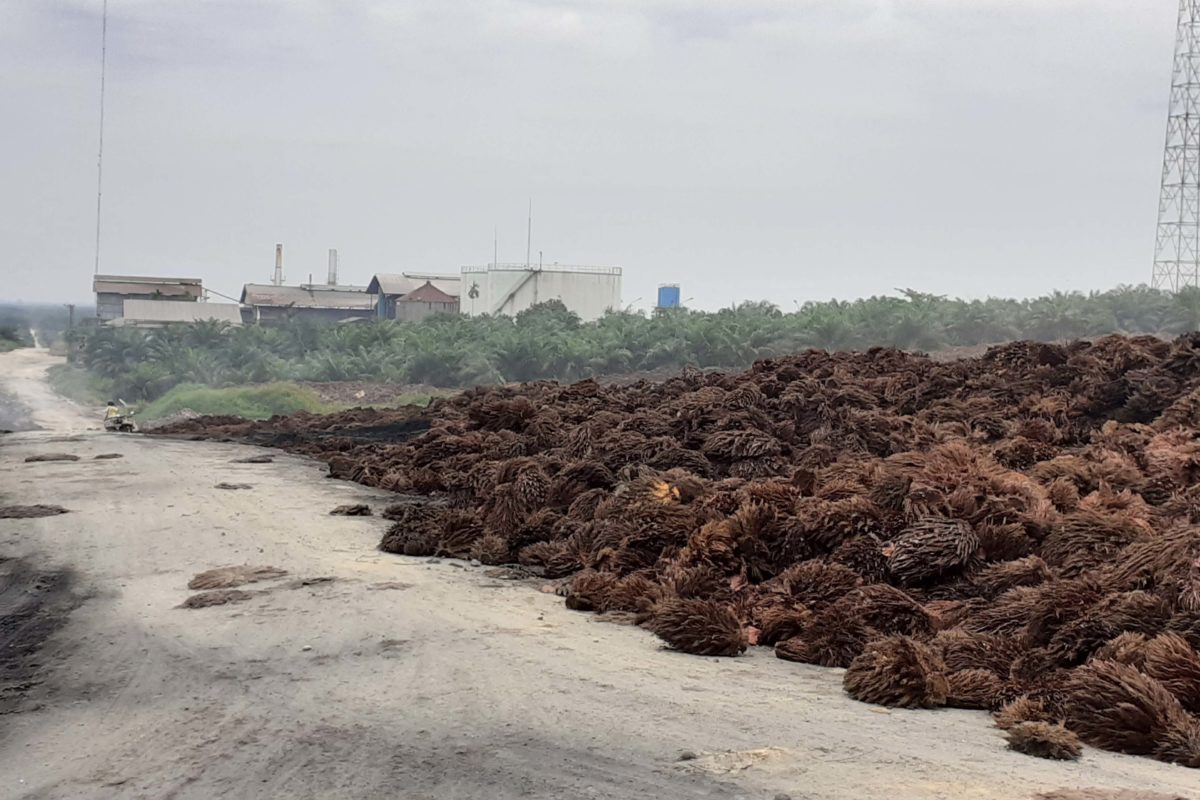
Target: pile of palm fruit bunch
(1016,532)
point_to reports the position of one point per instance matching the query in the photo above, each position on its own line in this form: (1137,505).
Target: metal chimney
(278,279)
(333,276)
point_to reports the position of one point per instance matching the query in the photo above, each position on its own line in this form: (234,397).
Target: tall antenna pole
(1177,246)
(100,152)
(529,235)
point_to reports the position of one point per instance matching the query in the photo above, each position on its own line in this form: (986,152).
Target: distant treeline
(549,342)
(18,322)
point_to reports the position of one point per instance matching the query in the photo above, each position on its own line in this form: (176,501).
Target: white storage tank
(508,289)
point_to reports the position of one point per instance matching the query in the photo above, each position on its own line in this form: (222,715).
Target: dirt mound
(349,393)
(1012,531)
(253,460)
(108,456)
(228,577)
(50,457)
(30,512)
(183,415)
(232,486)
(308,433)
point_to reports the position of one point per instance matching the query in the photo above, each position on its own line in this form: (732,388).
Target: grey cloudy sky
(749,149)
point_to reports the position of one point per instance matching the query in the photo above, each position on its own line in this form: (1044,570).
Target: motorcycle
(120,423)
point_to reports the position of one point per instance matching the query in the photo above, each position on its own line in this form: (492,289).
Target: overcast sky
(783,150)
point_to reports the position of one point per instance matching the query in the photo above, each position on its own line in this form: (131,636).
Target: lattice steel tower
(1177,250)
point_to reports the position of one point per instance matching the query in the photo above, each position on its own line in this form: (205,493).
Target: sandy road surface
(405,678)
(23,379)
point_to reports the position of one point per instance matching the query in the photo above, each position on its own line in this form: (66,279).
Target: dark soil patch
(354,510)
(51,457)
(304,432)
(108,456)
(232,486)
(217,597)
(30,512)
(389,432)
(15,415)
(33,605)
(254,460)
(227,577)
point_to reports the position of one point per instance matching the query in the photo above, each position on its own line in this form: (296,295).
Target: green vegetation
(11,339)
(76,383)
(251,402)
(548,341)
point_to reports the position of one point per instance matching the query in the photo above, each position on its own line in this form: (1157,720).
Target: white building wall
(511,290)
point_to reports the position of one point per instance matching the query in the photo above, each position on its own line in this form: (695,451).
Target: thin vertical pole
(100,150)
(529,235)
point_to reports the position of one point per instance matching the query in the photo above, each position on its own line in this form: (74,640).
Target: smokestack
(278,279)
(332,280)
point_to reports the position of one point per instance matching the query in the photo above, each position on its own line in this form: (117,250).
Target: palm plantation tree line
(550,342)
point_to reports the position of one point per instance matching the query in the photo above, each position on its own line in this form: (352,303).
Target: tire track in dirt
(34,604)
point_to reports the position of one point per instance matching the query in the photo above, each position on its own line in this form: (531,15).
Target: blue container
(668,296)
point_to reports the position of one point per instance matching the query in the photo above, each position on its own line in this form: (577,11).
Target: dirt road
(23,385)
(398,677)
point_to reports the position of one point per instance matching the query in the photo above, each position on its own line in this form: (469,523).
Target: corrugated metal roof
(428,293)
(146,284)
(257,294)
(179,311)
(402,283)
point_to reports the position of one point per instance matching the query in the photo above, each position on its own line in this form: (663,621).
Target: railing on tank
(577,268)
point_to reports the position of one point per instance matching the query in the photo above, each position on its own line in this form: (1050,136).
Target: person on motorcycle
(111,411)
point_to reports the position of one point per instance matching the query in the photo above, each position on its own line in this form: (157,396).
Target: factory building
(160,313)
(414,295)
(422,302)
(508,289)
(495,289)
(113,290)
(317,302)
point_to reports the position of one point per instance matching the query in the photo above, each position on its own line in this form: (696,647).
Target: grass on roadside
(76,383)
(252,402)
(395,402)
(256,401)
